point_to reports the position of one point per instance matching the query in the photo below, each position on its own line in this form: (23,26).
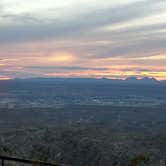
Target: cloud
(74,26)
(83,38)
(62,68)
(24,18)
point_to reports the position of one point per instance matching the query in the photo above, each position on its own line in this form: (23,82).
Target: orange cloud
(5,78)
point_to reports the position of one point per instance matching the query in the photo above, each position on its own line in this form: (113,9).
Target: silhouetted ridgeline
(135,80)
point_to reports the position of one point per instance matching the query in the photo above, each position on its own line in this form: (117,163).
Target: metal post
(2,162)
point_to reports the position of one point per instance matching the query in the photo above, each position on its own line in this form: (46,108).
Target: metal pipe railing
(26,161)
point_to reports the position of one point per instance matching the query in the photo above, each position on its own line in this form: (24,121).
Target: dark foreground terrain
(85,135)
(83,125)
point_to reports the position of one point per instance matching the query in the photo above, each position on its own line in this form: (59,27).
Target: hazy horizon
(129,79)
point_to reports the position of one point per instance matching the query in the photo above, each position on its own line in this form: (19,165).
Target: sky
(83,38)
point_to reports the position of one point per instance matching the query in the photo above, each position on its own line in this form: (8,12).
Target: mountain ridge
(132,80)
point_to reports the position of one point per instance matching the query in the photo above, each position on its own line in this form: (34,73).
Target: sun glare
(61,57)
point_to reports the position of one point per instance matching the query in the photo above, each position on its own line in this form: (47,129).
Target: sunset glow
(75,42)
(5,78)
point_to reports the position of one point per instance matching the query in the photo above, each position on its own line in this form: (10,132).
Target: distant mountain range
(142,80)
(129,80)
